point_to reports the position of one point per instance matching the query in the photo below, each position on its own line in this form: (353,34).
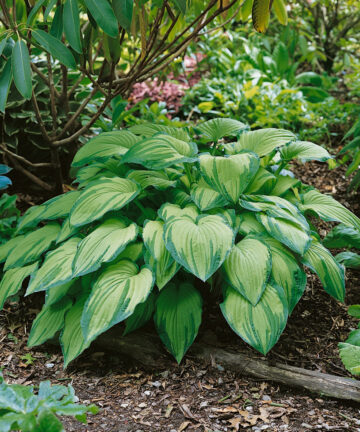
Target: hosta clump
(158,212)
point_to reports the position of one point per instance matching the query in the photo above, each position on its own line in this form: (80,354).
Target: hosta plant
(350,349)
(22,410)
(163,215)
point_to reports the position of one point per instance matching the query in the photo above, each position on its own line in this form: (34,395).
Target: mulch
(199,396)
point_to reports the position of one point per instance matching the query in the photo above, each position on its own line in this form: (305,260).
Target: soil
(196,396)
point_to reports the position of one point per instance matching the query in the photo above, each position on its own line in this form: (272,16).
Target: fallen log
(147,351)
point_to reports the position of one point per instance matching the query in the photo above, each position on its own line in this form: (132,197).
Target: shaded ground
(205,397)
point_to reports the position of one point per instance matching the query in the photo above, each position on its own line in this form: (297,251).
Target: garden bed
(204,396)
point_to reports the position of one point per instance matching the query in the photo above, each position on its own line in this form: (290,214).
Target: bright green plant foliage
(22,410)
(163,214)
(350,349)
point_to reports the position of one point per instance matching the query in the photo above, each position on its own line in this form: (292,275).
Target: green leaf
(281,57)
(229,175)
(260,326)
(314,94)
(104,146)
(5,83)
(205,197)
(104,244)
(167,210)
(157,179)
(160,152)
(280,11)
(142,314)
(148,130)
(33,12)
(20,62)
(54,294)
(286,272)
(124,11)
(248,268)
(283,184)
(328,209)
(54,47)
(305,151)
(291,234)
(72,24)
(262,141)
(163,264)
(354,310)
(217,128)
(71,339)
(58,207)
(249,224)
(132,252)
(7,247)
(67,230)
(57,25)
(349,260)
(12,280)
(30,218)
(199,244)
(56,269)
(114,297)
(181,4)
(263,182)
(32,246)
(48,322)
(48,421)
(104,16)
(342,236)
(330,272)
(102,196)
(350,356)
(178,317)
(261,15)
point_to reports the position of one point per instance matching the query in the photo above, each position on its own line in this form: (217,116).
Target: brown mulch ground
(205,397)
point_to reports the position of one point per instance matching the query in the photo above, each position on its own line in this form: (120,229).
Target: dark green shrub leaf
(124,11)
(5,83)
(20,61)
(54,47)
(72,24)
(103,15)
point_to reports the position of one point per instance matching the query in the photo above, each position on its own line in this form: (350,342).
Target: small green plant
(343,236)
(161,216)
(22,410)
(353,147)
(350,349)
(9,216)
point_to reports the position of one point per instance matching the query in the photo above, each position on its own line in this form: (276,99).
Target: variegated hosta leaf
(67,230)
(114,297)
(263,182)
(229,175)
(304,151)
(102,196)
(57,267)
(330,272)
(72,339)
(179,197)
(161,151)
(291,234)
(349,259)
(30,218)
(148,130)
(250,225)
(132,252)
(262,141)
(142,314)
(104,244)
(227,214)
(104,146)
(178,317)
(328,209)
(48,322)
(286,272)
(157,179)
(7,247)
(342,236)
(32,246)
(107,169)
(350,356)
(205,197)
(164,265)
(217,128)
(261,325)
(12,280)
(60,206)
(168,210)
(248,267)
(54,294)
(261,14)
(283,184)
(199,244)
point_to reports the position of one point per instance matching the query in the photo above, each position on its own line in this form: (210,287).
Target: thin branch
(52,94)
(39,119)
(25,161)
(76,85)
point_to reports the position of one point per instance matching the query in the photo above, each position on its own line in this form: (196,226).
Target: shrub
(21,409)
(156,216)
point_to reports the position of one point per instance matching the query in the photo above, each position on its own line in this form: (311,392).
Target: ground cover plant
(161,216)
(22,410)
